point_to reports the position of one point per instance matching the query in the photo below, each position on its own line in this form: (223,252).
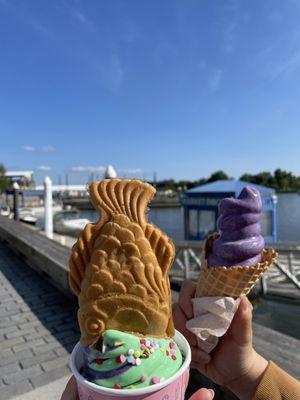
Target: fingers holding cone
(241,326)
(203,394)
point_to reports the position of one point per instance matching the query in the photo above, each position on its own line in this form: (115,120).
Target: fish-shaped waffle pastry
(119,267)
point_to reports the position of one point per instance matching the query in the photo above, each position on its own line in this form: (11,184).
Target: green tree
(263,178)
(216,176)
(3,179)
(282,181)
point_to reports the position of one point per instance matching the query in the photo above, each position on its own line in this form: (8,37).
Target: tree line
(280,180)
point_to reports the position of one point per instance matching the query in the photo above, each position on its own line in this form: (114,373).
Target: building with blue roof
(201,208)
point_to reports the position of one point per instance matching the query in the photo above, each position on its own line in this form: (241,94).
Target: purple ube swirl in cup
(240,242)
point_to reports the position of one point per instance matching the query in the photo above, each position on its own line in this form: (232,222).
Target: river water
(170,219)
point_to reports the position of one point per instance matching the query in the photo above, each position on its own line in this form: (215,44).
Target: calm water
(170,219)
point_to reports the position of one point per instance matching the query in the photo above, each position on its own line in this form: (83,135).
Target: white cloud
(24,13)
(44,168)
(214,80)
(28,148)
(131,171)
(96,170)
(108,68)
(48,149)
(281,59)
(230,19)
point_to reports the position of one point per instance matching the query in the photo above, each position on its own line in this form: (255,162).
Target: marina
(43,255)
(149,156)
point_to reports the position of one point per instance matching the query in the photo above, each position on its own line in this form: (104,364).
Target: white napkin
(212,318)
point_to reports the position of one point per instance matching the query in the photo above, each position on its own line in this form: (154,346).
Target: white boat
(4,211)
(69,222)
(26,215)
(40,210)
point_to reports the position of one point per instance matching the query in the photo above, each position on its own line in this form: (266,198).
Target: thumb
(203,394)
(241,327)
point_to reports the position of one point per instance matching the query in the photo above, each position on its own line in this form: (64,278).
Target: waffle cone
(230,281)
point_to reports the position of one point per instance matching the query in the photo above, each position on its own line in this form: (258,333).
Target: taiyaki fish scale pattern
(119,267)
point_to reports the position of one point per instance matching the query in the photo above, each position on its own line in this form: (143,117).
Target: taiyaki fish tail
(119,266)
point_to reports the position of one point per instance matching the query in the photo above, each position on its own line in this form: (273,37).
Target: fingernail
(212,393)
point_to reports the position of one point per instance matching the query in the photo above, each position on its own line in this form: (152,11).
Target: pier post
(16,188)
(263,285)
(186,264)
(48,207)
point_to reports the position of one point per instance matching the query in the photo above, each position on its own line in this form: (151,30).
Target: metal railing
(282,278)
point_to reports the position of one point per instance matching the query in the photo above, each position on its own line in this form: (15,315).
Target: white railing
(281,279)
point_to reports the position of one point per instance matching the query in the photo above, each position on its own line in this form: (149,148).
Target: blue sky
(179,87)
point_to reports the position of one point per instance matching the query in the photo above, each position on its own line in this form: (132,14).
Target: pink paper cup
(170,389)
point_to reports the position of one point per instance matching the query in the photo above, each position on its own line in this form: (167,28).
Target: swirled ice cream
(126,361)
(240,242)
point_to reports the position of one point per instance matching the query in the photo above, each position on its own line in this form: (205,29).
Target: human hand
(203,394)
(233,363)
(70,392)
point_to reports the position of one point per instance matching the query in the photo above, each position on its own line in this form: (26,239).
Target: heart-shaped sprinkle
(117,386)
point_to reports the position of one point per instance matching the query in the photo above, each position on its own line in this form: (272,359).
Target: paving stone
(41,358)
(22,374)
(9,368)
(71,339)
(64,334)
(9,391)
(36,335)
(56,363)
(11,342)
(8,329)
(29,325)
(22,355)
(65,326)
(56,317)
(21,317)
(5,353)
(19,332)
(13,306)
(61,352)
(49,376)
(32,344)
(6,313)
(46,347)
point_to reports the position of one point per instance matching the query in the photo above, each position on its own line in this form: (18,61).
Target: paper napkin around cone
(212,318)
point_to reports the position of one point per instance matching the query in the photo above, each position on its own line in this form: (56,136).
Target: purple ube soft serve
(240,242)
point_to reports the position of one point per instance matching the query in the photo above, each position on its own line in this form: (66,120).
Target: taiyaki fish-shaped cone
(234,259)
(119,267)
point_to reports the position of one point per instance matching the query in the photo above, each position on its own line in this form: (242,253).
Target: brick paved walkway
(38,328)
